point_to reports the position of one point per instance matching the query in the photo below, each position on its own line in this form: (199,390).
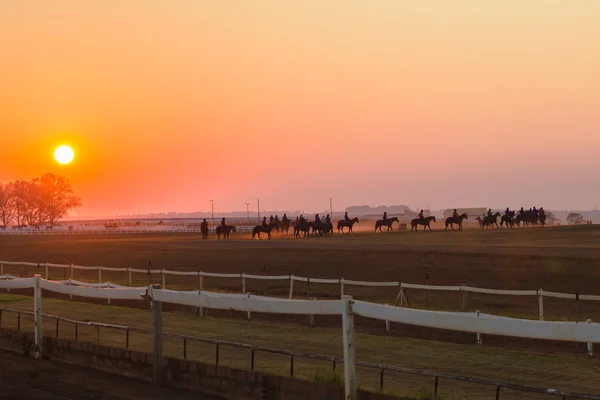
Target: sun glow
(64,154)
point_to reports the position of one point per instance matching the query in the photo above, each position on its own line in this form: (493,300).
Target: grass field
(564,259)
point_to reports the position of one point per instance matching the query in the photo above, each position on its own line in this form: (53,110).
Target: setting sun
(64,154)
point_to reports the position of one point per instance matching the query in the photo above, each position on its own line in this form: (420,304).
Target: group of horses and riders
(531,217)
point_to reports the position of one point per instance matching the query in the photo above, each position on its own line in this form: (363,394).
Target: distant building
(472,213)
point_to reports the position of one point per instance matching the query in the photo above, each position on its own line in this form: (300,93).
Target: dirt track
(24,378)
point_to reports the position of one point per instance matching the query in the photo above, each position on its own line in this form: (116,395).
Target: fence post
(349,348)
(311,317)
(387,324)
(291,287)
(479,342)
(200,281)
(46,265)
(129,273)
(37,305)
(158,337)
(243,284)
(164,282)
(1,268)
(463,306)
(71,268)
(541,304)
(99,274)
(590,345)
(342,287)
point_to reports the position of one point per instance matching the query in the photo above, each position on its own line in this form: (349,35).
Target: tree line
(42,200)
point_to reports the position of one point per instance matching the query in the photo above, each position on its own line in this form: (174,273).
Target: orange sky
(171,103)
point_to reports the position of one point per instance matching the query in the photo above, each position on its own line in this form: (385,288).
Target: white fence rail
(402,286)
(346,307)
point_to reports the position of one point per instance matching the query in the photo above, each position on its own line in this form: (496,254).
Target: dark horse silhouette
(386,222)
(346,224)
(285,226)
(264,229)
(456,220)
(204,230)
(224,230)
(414,224)
(509,220)
(491,221)
(322,228)
(302,227)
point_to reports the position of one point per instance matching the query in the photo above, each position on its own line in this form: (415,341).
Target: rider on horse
(277,219)
(302,219)
(327,219)
(271,219)
(489,213)
(421,215)
(223,222)
(317,219)
(284,219)
(542,212)
(346,217)
(522,212)
(385,215)
(264,223)
(507,212)
(455,214)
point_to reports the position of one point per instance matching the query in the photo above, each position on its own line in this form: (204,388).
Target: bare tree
(575,219)
(19,200)
(56,197)
(6,210)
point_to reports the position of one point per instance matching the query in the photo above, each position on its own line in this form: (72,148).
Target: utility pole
(212,211)
(248,211)
(331,207)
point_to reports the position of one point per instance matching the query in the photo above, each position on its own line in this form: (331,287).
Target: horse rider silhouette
(328,219)
(421,216)
(223,222)
(489,213)
(507,212)
(385,215)
(264,223)
(346,217)
(317,219)
(455,214)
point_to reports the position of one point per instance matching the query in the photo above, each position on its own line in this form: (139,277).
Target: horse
(265,229)
(224,230)
(346,224)
(491,220)
(508,220)
(542,220)
(414,224)
(303,226)
(456,220)
(386,222)
(323,228)
(285,226)
(204,230)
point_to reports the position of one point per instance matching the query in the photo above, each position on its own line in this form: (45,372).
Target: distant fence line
(401,298)
(346,307)
(112,231)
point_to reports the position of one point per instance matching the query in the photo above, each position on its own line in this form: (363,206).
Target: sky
(169,104)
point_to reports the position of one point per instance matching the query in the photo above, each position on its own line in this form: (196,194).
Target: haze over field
(170,104)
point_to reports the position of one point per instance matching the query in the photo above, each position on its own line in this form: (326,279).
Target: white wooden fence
(401,286)
(346,307)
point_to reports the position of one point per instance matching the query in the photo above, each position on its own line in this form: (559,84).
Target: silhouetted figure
(385,215)
(223,222)
(455,214)
(264,223)
(489,213)
(346,217)
(421,215)
(271,219)
(317,219)
(284,219)
(277,219)
(507,212)
(328,219)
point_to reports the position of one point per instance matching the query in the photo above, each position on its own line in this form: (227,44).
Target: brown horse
(264,229)
(323,228)
(224,230)
(386,222)
(302,227)
(456,220)
(491,220)
(346,224)
(414,224)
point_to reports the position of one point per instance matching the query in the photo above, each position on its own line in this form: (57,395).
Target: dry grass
(573,373)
